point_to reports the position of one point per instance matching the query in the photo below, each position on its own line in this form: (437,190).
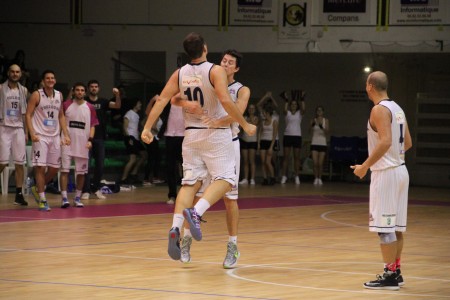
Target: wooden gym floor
(296,242)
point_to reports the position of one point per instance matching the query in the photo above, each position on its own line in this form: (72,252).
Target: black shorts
(294,141)
(133,146)
(248,145)
(319,148)
(264,145)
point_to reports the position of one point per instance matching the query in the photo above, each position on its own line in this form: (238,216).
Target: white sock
(64,194)
(77,193)
(202,206)
(178,220)
(187,232)
(232,239)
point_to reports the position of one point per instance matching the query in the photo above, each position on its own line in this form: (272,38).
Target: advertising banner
(419,12)
(253,12)
(294,20)
(344,12)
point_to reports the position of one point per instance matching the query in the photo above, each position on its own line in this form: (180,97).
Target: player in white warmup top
(388,139)
(205,150)
(81,120)
(45,120)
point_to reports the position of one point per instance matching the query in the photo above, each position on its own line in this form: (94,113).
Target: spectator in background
(292,138)
(135,149)
(173,130)
(101,106)
(320,128)
(249,145)
(267,143)
(151,175)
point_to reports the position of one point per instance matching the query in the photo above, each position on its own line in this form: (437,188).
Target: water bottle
(28,186)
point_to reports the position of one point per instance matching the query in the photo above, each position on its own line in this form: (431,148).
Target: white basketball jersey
(14,106)
(395,156)
(233,89)
(195,85)
(46,115)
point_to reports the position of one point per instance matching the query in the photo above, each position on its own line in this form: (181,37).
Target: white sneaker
(297,180)
(283,180)
(171,201)
(319,181)
(252,181)
(243,181)
(85,196)
(316,181)
(99,195)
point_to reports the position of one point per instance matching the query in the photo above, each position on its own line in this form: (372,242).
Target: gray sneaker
(191,216)
(185,249)
(232,256)
(174,243)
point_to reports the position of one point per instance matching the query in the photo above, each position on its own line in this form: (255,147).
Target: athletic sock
(187,232)
(178,220)
(64,194)
(42,196)
(390,267)
(202,206)
(397,263)
(232,239)
(77,193)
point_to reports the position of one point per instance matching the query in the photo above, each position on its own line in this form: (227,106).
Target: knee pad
(387,237)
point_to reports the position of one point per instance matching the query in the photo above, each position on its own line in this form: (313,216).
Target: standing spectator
(81,121)
(153,151)
(14,133)
(101,106)
(249,145)
(267,143)
(173,130)
(135,149)
(45,119)
(388,139)
(320,127)
(292,138)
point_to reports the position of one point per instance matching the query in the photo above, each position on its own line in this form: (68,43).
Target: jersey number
(401,134)
(14,105)
(50,114)
(195,95)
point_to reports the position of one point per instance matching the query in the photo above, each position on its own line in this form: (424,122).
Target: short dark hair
(79,84)
(236,54)
(47,72)
(193,45)
(95,81)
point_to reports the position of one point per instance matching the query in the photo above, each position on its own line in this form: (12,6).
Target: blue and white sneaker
(77,202)
(65,203)
(190,215)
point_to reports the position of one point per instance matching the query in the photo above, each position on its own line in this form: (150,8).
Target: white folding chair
(4,176)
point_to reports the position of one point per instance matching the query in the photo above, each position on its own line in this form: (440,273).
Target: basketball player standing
(388,140)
